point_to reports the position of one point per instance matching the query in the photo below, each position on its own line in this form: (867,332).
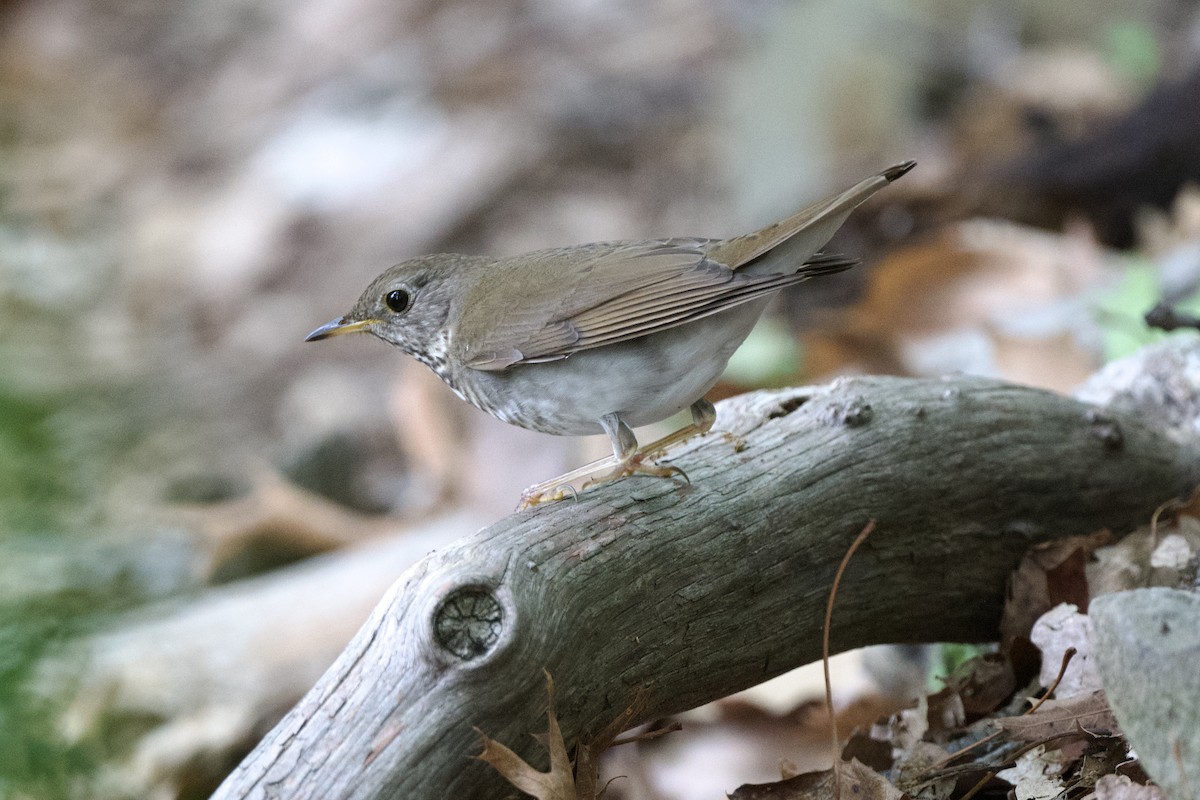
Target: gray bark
(202,675)
(673,595)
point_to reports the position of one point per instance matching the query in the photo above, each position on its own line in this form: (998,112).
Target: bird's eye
(397,300)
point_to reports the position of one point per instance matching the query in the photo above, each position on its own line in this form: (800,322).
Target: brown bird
(600,337)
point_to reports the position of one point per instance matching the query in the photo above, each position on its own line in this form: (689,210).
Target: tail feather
(827,264)
(804,232)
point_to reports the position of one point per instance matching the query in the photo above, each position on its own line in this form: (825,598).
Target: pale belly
(642,381)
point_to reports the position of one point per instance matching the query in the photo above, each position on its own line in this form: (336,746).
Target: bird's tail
(802,234)
(827,264)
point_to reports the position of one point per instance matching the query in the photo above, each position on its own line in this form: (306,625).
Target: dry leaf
(909,726)
(857,780)
(1058,630)
(1120,787)
(1035,775)
(912,774)
(1048,575)
(981,297)
(1121,566)
(876,753)
(1173,552)
(981,685)
(1057,717)
(558,783)
(562,782)
(946,710)
(1155,555)
(587,754)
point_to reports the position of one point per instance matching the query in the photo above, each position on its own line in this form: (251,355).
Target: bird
(601,337)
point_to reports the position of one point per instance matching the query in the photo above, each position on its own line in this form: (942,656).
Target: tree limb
(675,595)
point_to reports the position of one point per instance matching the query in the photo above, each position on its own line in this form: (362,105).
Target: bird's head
(407,306)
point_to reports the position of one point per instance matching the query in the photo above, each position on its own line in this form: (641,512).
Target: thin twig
(978,787)
(1171,504)
(837,579)
(946,761)
(1068,654)
(648,735)
(1165,318)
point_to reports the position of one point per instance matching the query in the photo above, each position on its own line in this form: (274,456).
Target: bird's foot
(562,487)
(536,495)
(640,463)
(634,461)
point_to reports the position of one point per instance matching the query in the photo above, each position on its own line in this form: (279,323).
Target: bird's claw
(536,495)
(638,466)
(560,488)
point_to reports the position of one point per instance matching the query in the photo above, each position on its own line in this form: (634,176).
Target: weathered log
(202,676)
(668,595)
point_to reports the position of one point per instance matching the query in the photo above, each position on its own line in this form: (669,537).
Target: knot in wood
(1106,429)
(468,622)
(854,412)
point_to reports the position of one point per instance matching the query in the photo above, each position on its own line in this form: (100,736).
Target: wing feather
(582,298)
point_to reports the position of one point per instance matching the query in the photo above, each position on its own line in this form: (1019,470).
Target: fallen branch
(202,676)
(682,594)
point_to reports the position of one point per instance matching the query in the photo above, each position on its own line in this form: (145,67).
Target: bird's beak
(338,327)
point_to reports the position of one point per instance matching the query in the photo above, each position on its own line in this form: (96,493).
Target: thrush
(601,337)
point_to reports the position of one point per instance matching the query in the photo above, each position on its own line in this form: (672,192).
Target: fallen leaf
(558,783)
(1048,575)
(1058,630)
(1090,712)
(1104,756)
(587,754)
(909,726)
(857,782)
(563,782)
(1035,775)
(912,774)
(981,297)
(1173,552)
(982,685)
(946,711)
(1120,787)
(864,746)
(1123,565)
(1155,555)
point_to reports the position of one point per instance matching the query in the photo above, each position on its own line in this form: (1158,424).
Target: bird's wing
(612,293)
(583,297)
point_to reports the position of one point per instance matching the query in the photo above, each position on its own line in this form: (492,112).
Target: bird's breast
(644,380)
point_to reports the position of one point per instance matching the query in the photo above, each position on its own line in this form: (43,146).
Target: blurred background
(197,510)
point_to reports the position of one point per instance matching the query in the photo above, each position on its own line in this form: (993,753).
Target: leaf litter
(1030,721)
(997,729)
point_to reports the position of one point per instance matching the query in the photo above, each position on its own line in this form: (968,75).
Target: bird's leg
(624,445)
(627,458)
(633,460)
(704,415)
(559,487)
(630,459)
